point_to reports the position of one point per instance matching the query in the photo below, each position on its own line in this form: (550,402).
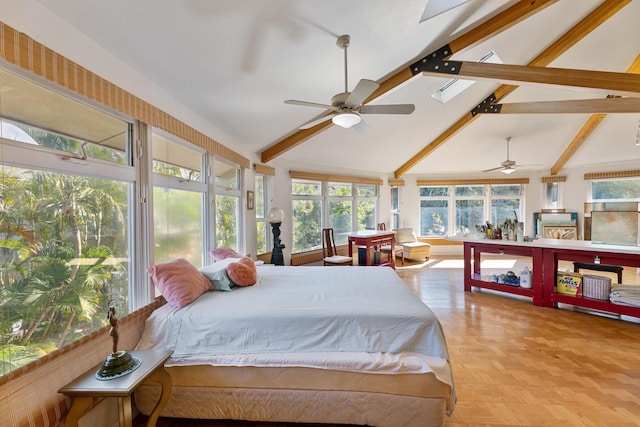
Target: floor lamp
(275,217)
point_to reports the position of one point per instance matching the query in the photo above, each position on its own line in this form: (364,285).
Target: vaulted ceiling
(234,62)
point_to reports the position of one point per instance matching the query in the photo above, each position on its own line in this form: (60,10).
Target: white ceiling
(234,62)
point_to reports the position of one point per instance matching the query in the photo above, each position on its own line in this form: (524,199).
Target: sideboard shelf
(598,255)
(473,277)
(545,255)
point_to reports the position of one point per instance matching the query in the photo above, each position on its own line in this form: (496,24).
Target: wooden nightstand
(87,389)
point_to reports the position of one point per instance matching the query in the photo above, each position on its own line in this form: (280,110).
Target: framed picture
(250,200)
(563,232)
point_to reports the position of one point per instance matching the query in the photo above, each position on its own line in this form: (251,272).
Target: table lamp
(275,217)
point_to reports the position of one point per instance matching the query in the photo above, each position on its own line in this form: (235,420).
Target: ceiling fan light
(508,170)
(346,119)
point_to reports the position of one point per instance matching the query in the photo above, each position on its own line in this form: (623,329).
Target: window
(349,207)
(434,211)
(66,179)
(340,210)
(626,189)
(366,202)
(551,197)
(506,203)
(179,197)
(469,202)
(395,207)
(467,205)
(306,214)
(261,204)
(227,204)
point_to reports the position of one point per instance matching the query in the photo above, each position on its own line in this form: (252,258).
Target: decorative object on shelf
(525,278)
(250,200)
(275,217)
(118,363)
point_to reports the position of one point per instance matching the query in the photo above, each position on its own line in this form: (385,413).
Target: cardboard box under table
(568,283)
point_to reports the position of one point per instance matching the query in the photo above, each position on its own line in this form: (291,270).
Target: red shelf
(596,304)
(517,290)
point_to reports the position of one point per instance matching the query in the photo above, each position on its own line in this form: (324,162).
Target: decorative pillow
(219,254)
(217,274)
(404,235)
(243,272)
(179,282)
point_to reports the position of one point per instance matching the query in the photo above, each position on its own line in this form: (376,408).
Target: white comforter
(351,318)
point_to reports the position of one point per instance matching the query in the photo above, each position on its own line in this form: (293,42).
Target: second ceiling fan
(346,107)
(508,166)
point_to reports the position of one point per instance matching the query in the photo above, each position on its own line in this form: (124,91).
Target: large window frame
(179,200)
(83,187)
(228,230)
(343,206)
(454,210)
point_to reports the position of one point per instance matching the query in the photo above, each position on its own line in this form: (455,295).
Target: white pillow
(404,235)
(217,274)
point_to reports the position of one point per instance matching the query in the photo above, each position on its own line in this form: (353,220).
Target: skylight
(455,87)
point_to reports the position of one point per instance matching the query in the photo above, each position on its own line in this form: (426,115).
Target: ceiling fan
(508,166)
(347,107)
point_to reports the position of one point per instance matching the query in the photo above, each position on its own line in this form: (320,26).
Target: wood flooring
(515,364)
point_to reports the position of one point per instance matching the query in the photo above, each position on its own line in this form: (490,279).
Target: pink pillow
(179,282)
(243,272)
(219,254)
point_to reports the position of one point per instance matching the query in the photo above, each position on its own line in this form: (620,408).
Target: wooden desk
(87,389)
(373,238)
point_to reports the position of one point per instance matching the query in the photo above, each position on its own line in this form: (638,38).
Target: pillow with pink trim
(179,281)
(243,272)
(219,254)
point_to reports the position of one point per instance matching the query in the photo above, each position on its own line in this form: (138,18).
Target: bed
(335,345)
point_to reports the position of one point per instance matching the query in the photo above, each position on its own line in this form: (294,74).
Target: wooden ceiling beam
(587,129)
(609,105)
(502,21)
(606,81)
(600,14)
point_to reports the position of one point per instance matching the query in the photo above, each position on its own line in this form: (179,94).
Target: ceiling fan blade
(387,109)
(314,122)
(611,82)
(493,169)
(309,104)
(362,91)
(577,106)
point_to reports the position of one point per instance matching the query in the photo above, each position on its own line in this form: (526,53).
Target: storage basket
(597,287)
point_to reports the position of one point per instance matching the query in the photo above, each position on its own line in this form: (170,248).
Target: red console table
(473,278)
(545,254)
(373,238)
(603,254)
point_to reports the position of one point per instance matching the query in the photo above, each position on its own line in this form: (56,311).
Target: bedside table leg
(161,377)
(78,407)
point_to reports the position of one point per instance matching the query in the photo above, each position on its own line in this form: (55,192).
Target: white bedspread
(351,318)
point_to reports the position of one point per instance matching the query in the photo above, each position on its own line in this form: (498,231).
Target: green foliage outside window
(227,221)
(64,245)
(616,189)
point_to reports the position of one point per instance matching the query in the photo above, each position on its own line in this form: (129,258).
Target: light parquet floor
(515,364)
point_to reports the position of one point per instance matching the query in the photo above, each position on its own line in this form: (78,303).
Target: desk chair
(386,249)
(329,252)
